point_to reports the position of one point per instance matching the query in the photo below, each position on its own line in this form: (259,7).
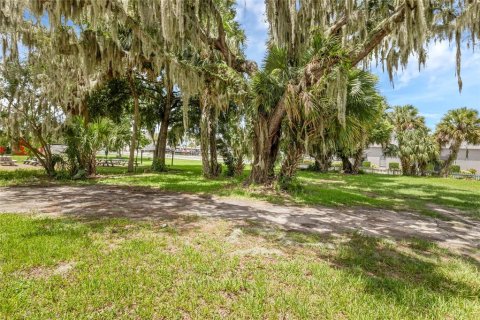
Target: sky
(433,89)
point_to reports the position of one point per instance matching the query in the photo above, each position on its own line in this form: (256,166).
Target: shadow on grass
(401,272)
(409,274)
(412,273)
(396,192)
(429,196)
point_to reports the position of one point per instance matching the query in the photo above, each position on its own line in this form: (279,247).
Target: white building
(468,157)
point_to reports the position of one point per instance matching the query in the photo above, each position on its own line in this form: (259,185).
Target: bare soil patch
(62,269)
(94,202)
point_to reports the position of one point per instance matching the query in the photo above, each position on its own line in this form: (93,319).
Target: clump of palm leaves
(417,149)
(415,146)
(233,141)
(457,126)
(84,140)
(362,124)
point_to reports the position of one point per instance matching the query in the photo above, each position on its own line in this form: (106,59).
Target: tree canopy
(195,48)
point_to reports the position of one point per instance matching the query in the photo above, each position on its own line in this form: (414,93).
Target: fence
(372,170)
(465,176)
(399,172)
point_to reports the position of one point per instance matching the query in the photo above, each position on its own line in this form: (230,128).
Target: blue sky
(433,90)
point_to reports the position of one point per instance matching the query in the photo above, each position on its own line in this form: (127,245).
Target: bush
(455,169)
(337,164)
(290,184)
(157,166)
(465,172)
(394,166)
(366,164)
(431,167)
(472,171)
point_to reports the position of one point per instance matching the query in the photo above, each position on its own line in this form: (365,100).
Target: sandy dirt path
(462,234)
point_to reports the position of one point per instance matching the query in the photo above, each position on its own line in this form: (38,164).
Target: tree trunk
(346,164)
(204,140)
(405,166)
(161,147)
(91,167)
(239,165)
(323,161)
(454,149)
(215,168)
(228,157)
(321,164)
(358,158)
(136,117)
(413,170)
(208,143)
(266,143)
(45,158)
(290,163)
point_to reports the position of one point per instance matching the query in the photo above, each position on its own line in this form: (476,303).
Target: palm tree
(418,149)
(363,114)
(406,119)
(84,141)
(233,140)
(456,127)
(267,88)
(120,136)
(426,151)
(364,108)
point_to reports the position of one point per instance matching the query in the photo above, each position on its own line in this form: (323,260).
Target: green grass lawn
(393,192)
(420,194)
(194,269)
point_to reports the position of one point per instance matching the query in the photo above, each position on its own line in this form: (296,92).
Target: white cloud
(251,15)
(440,58)
(255,8)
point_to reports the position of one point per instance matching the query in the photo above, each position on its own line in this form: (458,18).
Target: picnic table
(120,162)
(31,161)
(111,162)
(7,161)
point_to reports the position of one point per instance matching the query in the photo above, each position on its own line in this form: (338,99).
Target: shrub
(366,164)
(431,167)
(337,164)
(465,172)
(157,166)
(472,171)
(455,169)
(394,166)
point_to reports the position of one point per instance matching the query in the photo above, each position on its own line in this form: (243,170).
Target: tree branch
(315,70)
(220,44)
(383,30)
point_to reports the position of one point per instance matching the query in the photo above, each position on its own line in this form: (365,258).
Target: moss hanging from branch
(112,36)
